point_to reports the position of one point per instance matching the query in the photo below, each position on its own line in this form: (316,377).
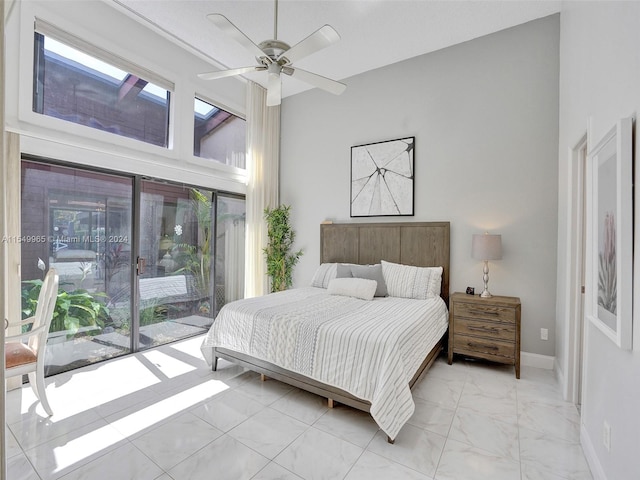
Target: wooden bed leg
(390,440)
(263,377)
(214,365)
(330,402)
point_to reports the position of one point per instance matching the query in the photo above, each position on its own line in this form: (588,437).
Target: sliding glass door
(175,269)
(141,262)
(79,223)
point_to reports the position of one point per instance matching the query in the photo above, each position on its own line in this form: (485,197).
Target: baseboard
(536,360)
(590,455)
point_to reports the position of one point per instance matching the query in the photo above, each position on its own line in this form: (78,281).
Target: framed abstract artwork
(382,177)
(609,279)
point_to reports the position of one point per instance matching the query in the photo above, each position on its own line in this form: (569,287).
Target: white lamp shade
(486,247)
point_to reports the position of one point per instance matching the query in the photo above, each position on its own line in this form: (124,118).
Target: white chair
(24,352)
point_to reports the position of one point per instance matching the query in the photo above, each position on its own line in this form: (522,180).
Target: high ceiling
(374,33)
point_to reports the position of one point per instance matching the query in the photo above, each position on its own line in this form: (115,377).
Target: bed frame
(422,244)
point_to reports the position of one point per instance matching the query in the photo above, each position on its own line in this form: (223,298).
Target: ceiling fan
(275,57)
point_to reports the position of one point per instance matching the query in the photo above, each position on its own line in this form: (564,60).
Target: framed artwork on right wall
(609,259)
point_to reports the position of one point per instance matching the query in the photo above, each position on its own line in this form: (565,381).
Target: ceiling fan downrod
(275,22)
(273,48)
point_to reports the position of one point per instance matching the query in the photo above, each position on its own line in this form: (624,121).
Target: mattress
(370,349)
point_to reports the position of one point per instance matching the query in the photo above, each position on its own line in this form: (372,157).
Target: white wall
(485,117)
(599,84)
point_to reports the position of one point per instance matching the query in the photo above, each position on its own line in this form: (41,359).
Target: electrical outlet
(544,334)
(606,436)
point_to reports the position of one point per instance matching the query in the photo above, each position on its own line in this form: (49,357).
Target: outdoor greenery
(73,310)
(280,260)
(153,314)
(196,259)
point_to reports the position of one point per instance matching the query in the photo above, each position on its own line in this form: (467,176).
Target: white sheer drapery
(234,240)
(263,152)
(13,251)
(3,247)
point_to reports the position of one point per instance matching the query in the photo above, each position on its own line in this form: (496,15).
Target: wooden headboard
(422,244)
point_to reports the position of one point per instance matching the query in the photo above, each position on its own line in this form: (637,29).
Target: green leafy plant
(153,314)
(280,260)
(196,259)
(73,310)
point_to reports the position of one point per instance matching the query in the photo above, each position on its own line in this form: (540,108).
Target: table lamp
(486,247)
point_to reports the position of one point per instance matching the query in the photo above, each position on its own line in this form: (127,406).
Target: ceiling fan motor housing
(273,49)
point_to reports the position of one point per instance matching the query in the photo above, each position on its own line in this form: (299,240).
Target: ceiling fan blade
(229,73)
(234,32)
(321,38)
(274,89)
(316,80)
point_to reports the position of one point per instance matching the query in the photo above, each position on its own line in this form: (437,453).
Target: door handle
(142,263)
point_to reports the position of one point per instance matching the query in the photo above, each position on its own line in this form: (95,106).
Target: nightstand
(487,328)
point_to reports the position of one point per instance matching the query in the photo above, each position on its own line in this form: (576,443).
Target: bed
(330,344)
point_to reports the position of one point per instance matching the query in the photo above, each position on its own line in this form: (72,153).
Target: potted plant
(280,237)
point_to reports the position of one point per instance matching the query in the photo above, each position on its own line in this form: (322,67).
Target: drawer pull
(477,345)
(484,312)
(484,329)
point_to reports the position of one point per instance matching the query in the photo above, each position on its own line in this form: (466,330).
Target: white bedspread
(370,349)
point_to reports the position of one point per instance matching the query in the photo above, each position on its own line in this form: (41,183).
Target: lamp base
(485,278)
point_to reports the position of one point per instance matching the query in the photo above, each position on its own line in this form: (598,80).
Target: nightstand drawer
(500,331)
(483,348)
(496,313)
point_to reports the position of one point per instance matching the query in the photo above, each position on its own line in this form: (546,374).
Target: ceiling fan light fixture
(274,69)
(274,86)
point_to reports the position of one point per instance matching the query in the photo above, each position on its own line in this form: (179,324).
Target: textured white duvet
(370,349)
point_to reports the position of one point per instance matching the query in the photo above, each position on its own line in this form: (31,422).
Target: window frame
(47,137)
(43,30)
(213,161)
(136,190)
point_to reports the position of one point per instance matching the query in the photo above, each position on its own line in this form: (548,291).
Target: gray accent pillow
(370,272)
(344,270)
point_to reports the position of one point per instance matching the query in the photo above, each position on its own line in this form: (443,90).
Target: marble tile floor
(163,414)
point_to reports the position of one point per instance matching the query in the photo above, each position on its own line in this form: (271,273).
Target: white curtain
(11,192)
(3,249)
(234,240)
(263,152)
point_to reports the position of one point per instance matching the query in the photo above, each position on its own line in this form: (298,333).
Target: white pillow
(324,274)
(406,281)
(353,287)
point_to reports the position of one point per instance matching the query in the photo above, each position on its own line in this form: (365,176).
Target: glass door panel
(175,274)
(80,224)
(230,235)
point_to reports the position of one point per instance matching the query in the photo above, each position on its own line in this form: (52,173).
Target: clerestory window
(218,135)
(96,89)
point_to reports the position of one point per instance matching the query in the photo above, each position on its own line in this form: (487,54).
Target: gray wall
(485,117)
